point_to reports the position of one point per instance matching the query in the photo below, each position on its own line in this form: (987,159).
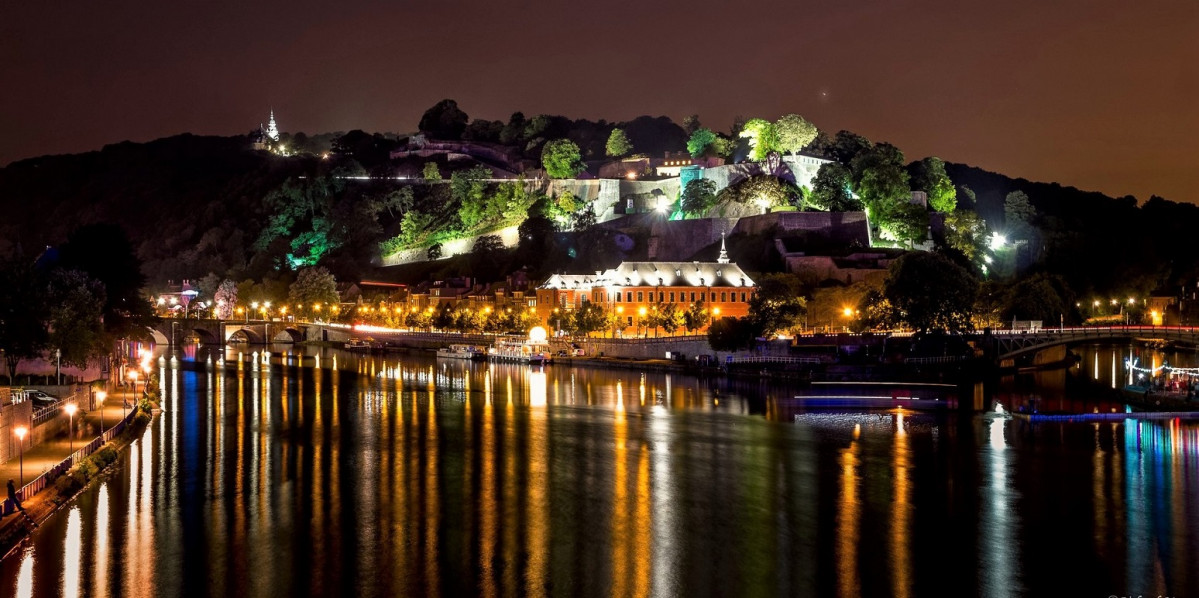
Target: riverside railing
(49,412)
(39,483)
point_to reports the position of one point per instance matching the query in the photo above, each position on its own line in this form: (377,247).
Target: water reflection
(411,476)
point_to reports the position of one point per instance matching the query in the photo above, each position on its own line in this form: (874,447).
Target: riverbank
(14,527)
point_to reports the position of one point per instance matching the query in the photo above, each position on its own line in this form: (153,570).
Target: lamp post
(21,431)
(70,408)
(100,396)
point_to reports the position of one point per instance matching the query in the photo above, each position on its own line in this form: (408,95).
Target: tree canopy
(618,144)
(561,159)
(929,292)
(794,133)
(444,120)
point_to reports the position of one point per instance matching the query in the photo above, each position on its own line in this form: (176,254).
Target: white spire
(272,131)
(724,254)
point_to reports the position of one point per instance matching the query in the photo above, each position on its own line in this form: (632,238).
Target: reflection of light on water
(901,512)
(665,553)
(537,389)
(1001,569)
(71,553)
(101,559)
(848,509)
(25,576)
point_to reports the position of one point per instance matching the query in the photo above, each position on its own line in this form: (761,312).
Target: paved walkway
(51,452)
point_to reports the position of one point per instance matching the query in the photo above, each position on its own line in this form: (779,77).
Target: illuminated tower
(724,254)
(272,131)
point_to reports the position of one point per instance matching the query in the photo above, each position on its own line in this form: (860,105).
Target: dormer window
(678,272)
(659,281)
(718,274)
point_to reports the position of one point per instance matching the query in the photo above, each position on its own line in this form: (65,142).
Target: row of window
(725,296)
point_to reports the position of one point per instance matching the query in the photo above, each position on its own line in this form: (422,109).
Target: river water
(408,476)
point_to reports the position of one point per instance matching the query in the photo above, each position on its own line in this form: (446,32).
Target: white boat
(470,352)
(358,344)
(520,350)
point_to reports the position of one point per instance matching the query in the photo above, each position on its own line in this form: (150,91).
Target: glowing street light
(21,431)
(100,396)
(70,408)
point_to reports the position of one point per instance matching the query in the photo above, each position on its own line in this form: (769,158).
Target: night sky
(1097,94)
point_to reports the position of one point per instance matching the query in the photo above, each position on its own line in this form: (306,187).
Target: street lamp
(100,396)
(21,431)
(70,408)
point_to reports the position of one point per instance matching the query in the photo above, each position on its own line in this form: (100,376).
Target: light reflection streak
(72,548)
(848,513)
(1001,570)
(901,512)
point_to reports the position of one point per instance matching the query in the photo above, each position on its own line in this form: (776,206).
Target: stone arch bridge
(173,331)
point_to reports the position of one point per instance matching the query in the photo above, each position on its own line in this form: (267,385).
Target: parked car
(41,399)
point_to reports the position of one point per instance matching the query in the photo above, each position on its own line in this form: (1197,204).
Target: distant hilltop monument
(266,138)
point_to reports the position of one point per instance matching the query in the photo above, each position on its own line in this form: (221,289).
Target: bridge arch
(246,334)
(288,335)
(158,337)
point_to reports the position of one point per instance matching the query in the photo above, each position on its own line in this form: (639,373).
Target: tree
(764,190)
(444,120)
(846,146)
(561,159)
(487,257)
(691,124)
(75,323)
(929,176)
(313,286)
(794,133)
(762,136)
(776,306)
(23,311)
(430,172)
(1018,215)
(469,189)
(226,299)
(668,317)
(698,197)
(618,144)
(433,253)
(831,189)
(696,316)
(590,317)
(699,141)
(906,223)
(103,252)
(731,334)
(966,232)
(929,292)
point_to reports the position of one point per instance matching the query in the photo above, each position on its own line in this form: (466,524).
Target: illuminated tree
(590,317)
(561,159)
(699,141)
(776,306)
(831,189)
(618,144)
(966,232)
(763,138)
(846,146)
(698,197)
(929,176)
(668,317)
(430,172)
(794,133)
(226,299)
(696,316)
(313,286)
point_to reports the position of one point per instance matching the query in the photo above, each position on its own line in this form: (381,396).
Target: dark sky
(1097,94)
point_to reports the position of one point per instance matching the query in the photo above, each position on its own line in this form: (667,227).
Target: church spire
(272,130)
(724,254)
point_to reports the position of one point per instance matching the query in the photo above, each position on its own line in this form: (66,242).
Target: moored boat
(470,352)
(520,350)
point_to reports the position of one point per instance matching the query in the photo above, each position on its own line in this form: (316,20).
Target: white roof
(651,274)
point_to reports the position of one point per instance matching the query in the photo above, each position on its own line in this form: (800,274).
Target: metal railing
(775,359)
(49,412)
(50,475)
